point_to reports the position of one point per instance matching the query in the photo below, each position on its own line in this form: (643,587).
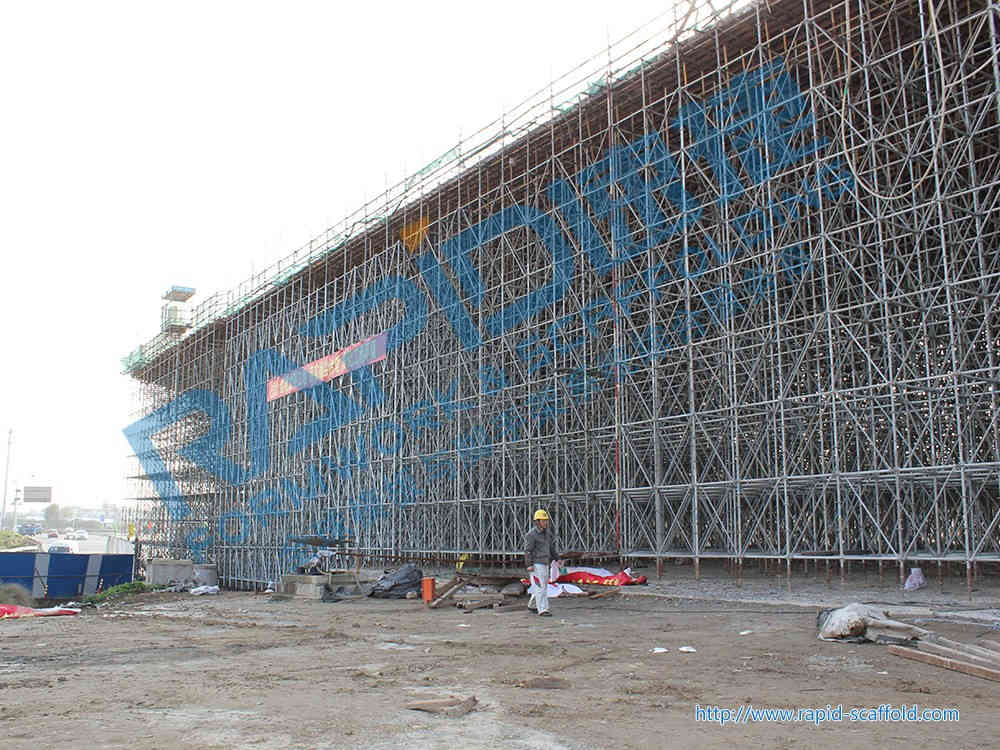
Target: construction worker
(539,552)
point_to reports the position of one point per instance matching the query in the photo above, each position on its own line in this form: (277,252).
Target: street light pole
(6,472)
(17,499)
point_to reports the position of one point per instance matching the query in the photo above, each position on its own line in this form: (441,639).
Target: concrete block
(342,579)
(206,575)
(303,587)
(308,591)
(296,579)
(165,571)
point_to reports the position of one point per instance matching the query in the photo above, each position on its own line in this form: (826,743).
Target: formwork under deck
(759,259)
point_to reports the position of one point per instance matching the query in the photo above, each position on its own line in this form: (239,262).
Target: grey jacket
(540,546)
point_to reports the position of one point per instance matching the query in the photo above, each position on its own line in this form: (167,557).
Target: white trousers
(539,591)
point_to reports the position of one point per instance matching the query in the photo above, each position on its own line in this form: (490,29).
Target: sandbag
(915,580)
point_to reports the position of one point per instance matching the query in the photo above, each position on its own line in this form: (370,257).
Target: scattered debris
(478,600)
(468,607)
(915,580)
(544,683)
(857,623)
(446,591)
(602,594)
(343,592)
(324,549)
(81,605)
(446,706)
(15,611)
(564,589)
(514,588)
(397,584)
(478,596)
(371,671)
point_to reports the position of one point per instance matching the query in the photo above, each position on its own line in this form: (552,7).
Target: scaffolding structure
(737,299)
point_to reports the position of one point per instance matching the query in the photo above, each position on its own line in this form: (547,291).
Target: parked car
(50,533)
(66,548)
(68,530)
(82,534)
(29,529)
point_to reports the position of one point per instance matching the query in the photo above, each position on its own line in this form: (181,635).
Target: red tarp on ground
(13,611)
(578,575)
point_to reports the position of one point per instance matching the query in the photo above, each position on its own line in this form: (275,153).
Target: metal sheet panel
(37,495)
(114,570)
(66,575)
(93,573)
(19,568)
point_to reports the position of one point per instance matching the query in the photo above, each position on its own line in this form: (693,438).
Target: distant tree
(53,516)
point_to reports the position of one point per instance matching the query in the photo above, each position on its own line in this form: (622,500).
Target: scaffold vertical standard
(737,299)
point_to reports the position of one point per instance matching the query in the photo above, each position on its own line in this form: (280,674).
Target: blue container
(64,576)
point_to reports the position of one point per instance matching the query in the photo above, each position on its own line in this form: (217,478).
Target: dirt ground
(246,670)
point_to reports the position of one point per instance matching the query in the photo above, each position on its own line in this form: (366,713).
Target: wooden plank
(989,645)
(469,704)
(479,597)
(448,706)
(965,667)
(470,605)
(967,647)
(955,653)
(488,580)
(447,591)
(433,706)
(615,590)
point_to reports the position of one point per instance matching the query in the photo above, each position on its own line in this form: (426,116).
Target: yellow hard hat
(541,515)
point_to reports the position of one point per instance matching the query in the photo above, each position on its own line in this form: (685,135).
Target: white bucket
(206,575)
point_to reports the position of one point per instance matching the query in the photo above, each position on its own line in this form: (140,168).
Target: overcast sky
(147,144)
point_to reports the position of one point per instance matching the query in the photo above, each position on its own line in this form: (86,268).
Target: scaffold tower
(728,290)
